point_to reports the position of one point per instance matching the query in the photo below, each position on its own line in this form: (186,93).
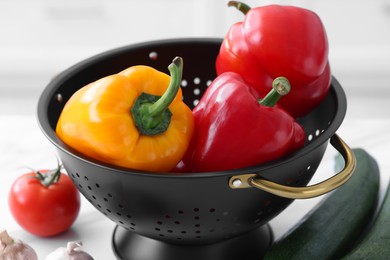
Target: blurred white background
(40,38)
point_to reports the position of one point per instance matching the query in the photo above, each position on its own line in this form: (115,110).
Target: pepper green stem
(151,113)
(280,87)
(244,8)
(175,69)
(49,177)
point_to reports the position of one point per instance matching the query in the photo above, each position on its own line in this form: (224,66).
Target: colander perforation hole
(59,97)
(196,91)
(153,55)
(184,83)
(289,181)
(125,222)
(315,134)
(303,176)
(267,209)
(186,224)
(197,80)
(116,214)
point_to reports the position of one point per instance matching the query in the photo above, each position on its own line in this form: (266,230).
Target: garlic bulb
(11,249)
(71,252)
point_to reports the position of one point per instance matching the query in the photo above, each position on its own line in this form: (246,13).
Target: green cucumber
(331,229)
(376,243)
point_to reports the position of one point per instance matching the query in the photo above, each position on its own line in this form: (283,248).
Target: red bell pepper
(279,40)
(233,129)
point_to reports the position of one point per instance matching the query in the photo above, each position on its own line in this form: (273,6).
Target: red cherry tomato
(44,203)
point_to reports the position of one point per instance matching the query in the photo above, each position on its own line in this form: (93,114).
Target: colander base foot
(250,246)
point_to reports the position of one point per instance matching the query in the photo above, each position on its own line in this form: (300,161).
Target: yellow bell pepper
(134,119)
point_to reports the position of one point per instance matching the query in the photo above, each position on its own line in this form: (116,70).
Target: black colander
(215,215)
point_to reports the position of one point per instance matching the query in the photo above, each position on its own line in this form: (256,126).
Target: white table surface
(23,144)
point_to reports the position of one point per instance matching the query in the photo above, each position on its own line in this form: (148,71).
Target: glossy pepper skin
(99,121)
(234,130)
(279,40)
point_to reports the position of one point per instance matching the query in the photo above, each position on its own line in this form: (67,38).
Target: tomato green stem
(151,113)
(50,177)
(244,8)
(280,87)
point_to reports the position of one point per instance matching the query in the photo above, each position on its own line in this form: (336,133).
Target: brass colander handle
(253,180)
